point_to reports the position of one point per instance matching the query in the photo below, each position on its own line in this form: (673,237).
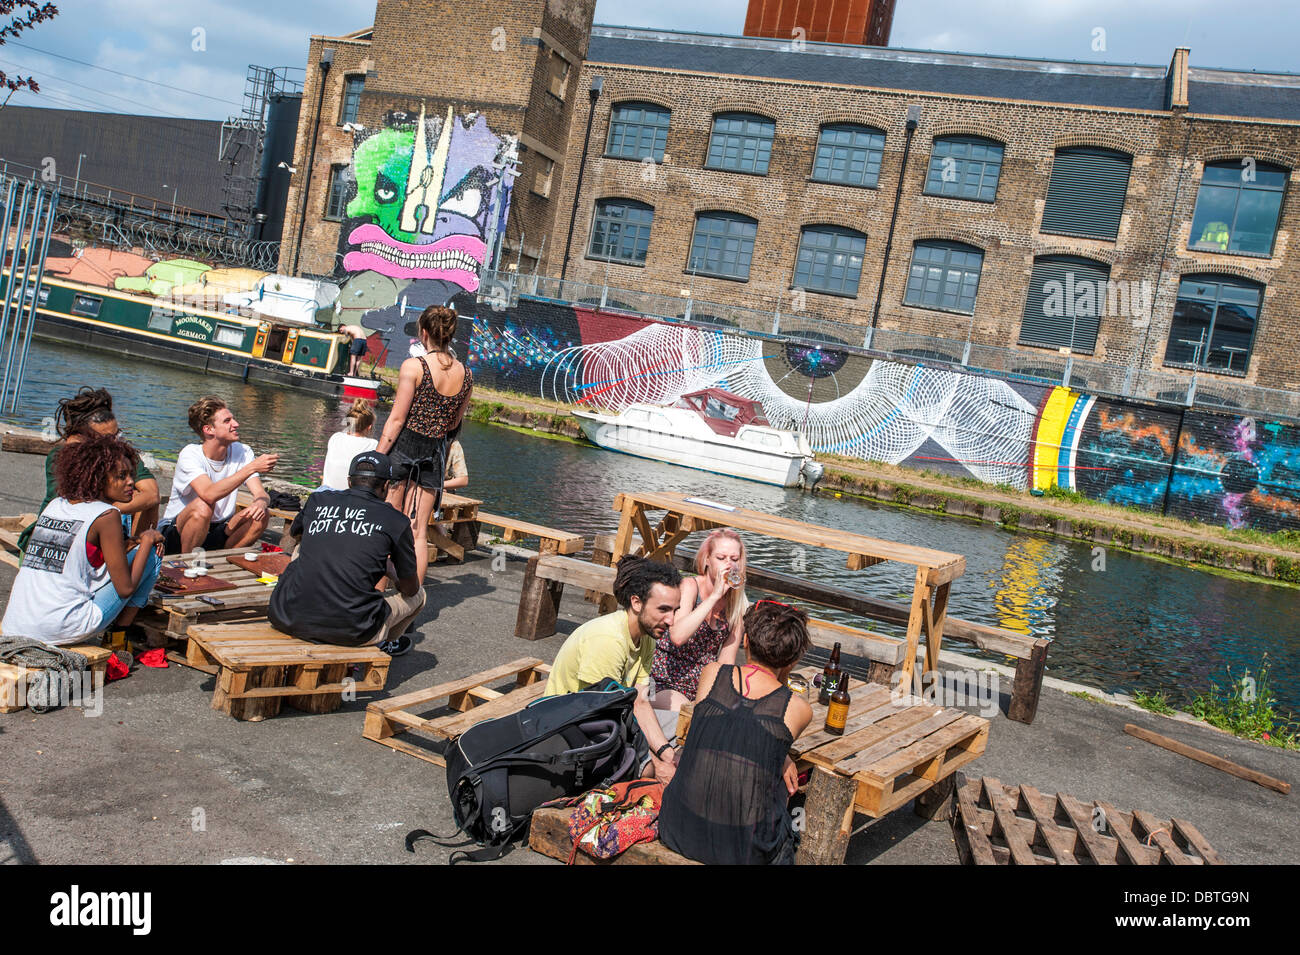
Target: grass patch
(1085,695)
(1157,702)
(1058,493)
(1246,707)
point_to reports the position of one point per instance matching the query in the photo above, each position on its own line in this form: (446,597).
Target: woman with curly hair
(90,411)
(432,394)
(708,624)
(77,576)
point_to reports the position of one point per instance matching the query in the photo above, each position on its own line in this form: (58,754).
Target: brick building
(1137,216)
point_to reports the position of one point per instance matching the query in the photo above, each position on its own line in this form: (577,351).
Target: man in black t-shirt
(350,540)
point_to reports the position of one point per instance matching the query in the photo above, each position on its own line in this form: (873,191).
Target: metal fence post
(36,295)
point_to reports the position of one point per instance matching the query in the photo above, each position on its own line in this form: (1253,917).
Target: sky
(188,58)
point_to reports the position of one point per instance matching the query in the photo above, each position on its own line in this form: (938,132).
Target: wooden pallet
(1017,825)
(11,527)
(258,668)
(14,677)
(170,618)
(470,698)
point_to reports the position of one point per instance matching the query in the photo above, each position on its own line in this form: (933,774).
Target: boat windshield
(714,408)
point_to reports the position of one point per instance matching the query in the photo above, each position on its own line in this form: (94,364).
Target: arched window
(964,167)
(620,231)
(830,260)
(1214,323)
(944,275)
(849,154)
(1237,207)
(741,142)
(723,245)
(637,131)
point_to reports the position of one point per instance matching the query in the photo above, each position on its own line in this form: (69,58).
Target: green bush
(1157,702)
(1246,708)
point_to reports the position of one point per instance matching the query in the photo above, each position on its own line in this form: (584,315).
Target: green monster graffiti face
(425,194)
(382,164)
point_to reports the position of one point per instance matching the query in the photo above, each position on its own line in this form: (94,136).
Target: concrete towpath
(160,777)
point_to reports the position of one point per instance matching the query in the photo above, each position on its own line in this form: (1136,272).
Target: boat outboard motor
(810,472)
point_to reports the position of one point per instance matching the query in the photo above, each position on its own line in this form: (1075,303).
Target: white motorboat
(711,430)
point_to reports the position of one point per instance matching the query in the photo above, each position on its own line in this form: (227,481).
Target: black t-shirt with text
(328,592)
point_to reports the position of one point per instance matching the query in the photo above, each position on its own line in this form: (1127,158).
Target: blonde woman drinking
(708,623)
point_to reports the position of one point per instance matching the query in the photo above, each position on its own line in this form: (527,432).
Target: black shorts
(216,539)
(419,458)
(358,347)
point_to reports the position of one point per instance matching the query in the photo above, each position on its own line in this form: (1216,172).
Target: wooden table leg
(915,622)
(827,818)
(934,620)
(438,541)
(936,803)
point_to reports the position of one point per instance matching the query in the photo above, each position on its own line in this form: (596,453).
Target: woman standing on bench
(708,624)
(432,394)
(728,802)
(77,576)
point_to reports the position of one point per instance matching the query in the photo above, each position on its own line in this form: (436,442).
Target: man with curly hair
(201,510)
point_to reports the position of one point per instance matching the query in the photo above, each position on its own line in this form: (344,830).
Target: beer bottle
(830,676)
(837,714)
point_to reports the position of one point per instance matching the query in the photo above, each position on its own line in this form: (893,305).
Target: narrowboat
(236,339)
(711,430)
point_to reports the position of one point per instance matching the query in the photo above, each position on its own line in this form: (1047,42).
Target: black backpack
(500,770)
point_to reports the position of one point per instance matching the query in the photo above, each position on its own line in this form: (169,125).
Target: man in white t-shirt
(201,510)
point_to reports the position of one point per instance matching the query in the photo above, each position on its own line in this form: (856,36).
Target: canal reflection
(1124,623)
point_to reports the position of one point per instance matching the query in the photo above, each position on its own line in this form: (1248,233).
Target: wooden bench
(11,528)
(1001,825)
(13,678)
(258,668)
(471,700)
(550,540)
(548,834)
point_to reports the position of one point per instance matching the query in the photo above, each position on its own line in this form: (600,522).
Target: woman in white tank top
(77,576)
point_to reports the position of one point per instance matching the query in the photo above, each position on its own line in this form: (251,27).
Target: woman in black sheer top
(728,802)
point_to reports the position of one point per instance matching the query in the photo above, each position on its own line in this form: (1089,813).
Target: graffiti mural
(1217,468)
(430,196)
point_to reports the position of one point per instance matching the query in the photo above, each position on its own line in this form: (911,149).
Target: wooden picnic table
(935,570)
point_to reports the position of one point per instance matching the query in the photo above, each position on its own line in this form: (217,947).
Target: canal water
(1130,623)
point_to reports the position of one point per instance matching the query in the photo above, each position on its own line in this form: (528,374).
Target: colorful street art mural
(429,199)
(1222,469)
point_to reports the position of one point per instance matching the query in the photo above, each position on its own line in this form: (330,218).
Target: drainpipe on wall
(913,120)
(597,84)
(326,59)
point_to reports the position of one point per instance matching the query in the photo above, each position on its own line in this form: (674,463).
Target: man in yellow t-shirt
(621,646)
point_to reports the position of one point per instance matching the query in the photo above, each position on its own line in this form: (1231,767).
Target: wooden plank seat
(258,668)
(550,540)
(470,699)
(13,678)
(11,528)
(1002,825)
(548,834)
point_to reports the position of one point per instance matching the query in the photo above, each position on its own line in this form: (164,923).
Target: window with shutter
(1086,194)
(1066,298)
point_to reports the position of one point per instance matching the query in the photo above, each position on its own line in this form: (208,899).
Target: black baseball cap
(371,463)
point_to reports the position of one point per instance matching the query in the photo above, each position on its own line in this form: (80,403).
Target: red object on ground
(157,657)
(271,549)
(116,669)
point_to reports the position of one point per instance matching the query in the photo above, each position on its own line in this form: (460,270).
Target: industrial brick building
(1136,216)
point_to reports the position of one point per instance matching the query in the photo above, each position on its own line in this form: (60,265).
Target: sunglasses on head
(777,602)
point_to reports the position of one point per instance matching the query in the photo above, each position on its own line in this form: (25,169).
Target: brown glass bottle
(837,714)
(830,677)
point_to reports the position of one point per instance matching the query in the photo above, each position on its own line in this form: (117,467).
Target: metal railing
(1189,390)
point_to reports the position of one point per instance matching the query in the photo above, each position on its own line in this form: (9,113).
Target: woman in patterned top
(432,394)
(708,623)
